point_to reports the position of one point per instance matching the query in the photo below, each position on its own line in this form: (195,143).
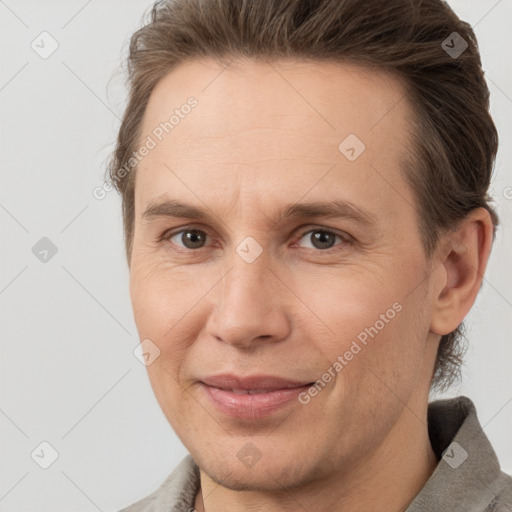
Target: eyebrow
(329,209)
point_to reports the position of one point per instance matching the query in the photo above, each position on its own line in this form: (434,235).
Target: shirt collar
(468,475)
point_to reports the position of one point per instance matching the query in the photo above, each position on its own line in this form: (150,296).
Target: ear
(464,259)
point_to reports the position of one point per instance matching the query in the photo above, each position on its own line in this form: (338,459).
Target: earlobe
(464,260)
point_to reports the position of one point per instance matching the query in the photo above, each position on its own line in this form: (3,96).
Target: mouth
(251,397)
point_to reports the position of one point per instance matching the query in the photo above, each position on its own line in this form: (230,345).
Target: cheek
(370,319)
(162,296)
(381,357)
(163,306)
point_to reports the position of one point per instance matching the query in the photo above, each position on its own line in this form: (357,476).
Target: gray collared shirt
(467,478)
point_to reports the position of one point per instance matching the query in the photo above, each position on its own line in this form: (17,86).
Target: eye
(324,239)
(190,238)
(195,239)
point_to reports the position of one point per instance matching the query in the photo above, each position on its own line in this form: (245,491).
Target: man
(307,224)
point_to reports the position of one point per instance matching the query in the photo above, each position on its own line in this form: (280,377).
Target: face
(254,282)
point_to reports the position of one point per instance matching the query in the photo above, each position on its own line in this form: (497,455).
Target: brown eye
(189,238)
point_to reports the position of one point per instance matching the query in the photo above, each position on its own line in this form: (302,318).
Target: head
(255,114)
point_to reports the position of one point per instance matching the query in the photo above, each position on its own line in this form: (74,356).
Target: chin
(265,476)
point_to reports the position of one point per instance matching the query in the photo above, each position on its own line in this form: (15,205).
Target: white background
(68,375)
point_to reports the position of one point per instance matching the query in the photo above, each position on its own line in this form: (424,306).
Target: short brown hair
(455,139)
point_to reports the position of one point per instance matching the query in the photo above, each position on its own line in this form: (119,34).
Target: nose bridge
(247,281)
(248,305)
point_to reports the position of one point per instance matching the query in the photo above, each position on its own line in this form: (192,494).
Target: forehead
(337,97)
(264,125)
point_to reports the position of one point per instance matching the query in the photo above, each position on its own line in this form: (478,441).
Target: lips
(253,397)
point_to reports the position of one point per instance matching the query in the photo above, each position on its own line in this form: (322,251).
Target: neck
(387,480)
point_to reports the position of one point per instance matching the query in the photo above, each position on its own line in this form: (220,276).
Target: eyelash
(345,239)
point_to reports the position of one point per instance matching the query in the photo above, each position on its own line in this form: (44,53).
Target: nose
(250,307)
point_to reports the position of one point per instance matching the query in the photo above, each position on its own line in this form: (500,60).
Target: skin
(265,134)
